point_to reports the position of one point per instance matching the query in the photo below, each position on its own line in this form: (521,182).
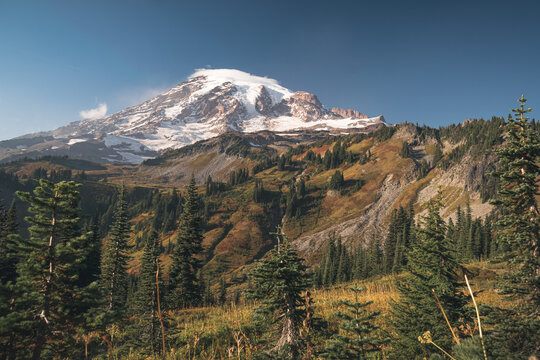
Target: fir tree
(358,338)
(336,181)
(184,286)
(222,296)
(278,282)
(147,331)
(8,229)
(432,268)
(519,231)
(53,301)
(405,152)
(115,260)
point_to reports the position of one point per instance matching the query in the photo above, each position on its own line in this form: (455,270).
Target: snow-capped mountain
(209,103)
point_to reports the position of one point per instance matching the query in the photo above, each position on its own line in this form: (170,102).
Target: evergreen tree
(432,268)
(147,331)
(358,338)
(8,229)
(184,286)
(405,152)
(222,296)
(49,270)
(336,181)
(114,276)
(519,231)
(278,282)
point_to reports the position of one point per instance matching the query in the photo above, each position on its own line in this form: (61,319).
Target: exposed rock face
(264,102)
(370,224)
(209,103)
(349,113)
(459,184)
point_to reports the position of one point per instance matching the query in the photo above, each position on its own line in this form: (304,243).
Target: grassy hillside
(225,331)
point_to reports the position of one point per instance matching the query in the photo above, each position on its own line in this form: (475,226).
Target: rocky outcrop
(209,103)
(368,225)
(349,113)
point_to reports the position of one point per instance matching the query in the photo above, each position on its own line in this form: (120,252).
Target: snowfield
(209,103)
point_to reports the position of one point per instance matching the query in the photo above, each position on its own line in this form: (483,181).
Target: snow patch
(75,141)
(248,86)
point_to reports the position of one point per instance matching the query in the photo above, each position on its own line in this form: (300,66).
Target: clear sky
(432,62)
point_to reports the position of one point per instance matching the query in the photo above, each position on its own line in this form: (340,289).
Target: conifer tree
(147,331)
(54,303)
(8,229)
(278,282)
(405,152)
(432,268)
(358,338)
(184,286)
(114,276)
(336,181)
(519,231)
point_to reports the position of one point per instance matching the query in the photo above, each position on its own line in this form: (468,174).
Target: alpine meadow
(227,216)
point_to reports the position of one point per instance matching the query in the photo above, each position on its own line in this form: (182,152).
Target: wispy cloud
(95,113)
(135,96)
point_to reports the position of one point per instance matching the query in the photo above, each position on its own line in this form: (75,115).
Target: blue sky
(432,62)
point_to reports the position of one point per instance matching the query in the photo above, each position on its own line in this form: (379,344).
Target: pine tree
(222,296)
(432,267)
(184,286)
(147,331)
(405,152)
(336,181)
(278,282)
(53,301)
(114,266)
(519,231)
(358,338)
(8,229)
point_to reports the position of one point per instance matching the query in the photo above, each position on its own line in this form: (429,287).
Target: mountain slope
(209,103)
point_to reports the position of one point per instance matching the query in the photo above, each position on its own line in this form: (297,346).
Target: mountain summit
(211,102)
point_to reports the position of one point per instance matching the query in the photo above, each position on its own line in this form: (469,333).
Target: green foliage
(258,191)
(405,151)
(278,282)
(473,239)
(239,176)
(424,169)
(358,338)
(214,187)
(336,181)
(337,156)
(184,286)
(438,155)
(477,136)
(146,330)
(398,239)
(432,268)
(519,228)
(8,231)
(52,301)
(115,261)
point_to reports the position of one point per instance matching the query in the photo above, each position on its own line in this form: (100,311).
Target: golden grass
(215,330)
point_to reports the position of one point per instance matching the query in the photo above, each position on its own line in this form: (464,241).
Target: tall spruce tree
(278,282)
(519,232)
(358,338)
(54,302)
(114,277)
(184,286)
(8,229)
(432,267)
(146,329)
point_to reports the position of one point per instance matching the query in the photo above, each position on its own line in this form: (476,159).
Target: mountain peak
(211,102)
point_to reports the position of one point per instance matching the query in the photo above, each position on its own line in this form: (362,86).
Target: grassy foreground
(229,332)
